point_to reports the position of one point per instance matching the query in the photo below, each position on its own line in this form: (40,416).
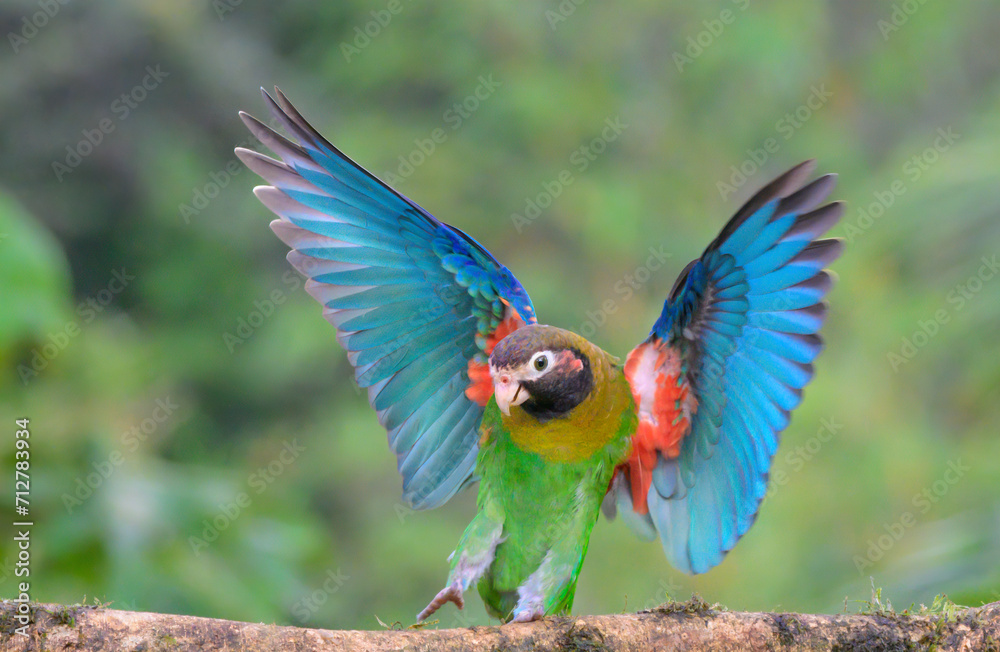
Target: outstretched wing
(417,304)
(723,367)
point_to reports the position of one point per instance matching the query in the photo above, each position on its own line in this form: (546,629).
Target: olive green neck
(586,428)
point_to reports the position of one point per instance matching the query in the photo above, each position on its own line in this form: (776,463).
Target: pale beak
(508,392)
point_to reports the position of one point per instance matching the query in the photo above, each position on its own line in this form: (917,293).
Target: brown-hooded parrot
(470,387)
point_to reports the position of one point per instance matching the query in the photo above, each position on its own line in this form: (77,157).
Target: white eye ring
(540,363)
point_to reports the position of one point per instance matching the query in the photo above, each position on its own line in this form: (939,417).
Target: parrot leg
(450,593)
(469,562)
(546,587)
(526,612)
(551,587)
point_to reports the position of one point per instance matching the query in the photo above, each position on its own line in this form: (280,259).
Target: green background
(139,379)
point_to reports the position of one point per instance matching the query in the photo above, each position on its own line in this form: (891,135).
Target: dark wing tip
(804,169)
(788,182)
(807,197)
(784,188)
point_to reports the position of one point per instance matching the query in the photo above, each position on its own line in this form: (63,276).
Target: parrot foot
(451,593)
(527,611)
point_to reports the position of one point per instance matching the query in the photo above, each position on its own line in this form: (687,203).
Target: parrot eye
(540,361)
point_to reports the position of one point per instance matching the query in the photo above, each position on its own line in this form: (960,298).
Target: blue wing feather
(413,299)
(746,315)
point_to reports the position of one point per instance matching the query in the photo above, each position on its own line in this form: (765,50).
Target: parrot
(470,387)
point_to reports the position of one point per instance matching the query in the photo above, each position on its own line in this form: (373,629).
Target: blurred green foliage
(125,262)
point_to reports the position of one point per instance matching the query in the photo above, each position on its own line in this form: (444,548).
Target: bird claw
(527,614)
(451,593)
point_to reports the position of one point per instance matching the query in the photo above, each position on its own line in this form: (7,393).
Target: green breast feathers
(558,426)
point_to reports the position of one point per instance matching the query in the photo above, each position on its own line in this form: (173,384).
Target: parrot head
(545,370)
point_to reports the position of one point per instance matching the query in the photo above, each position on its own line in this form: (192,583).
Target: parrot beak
(508,392)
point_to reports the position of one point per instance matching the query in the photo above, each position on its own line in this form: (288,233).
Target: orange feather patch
(480,387)
(665,404)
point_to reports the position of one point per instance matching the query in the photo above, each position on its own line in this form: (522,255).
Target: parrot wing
(417,304)
(723,367)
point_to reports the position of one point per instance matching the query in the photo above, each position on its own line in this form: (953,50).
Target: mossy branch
(691,625)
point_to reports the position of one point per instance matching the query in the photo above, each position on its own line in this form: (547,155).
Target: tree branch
(691,625)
